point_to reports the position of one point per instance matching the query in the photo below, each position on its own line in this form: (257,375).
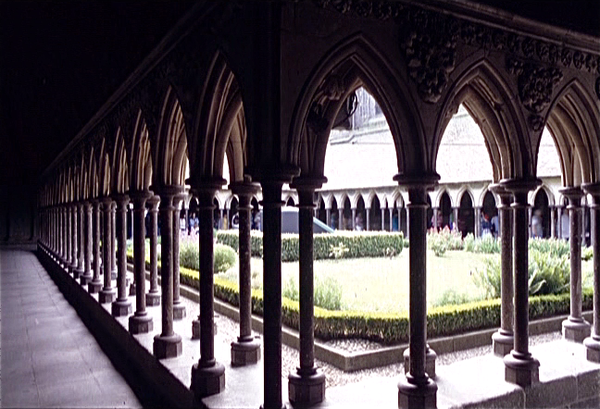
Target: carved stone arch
(141,156)
(340,198)
(560,126)
(219,127)
(354,198)
(481,197)
(104,170)
(382,198)
(120,165)
(576,109)
(399,197)
(436,202)
(352,63)
(460,192)
(547,190)
(488,98)
(170,158)
(368,199)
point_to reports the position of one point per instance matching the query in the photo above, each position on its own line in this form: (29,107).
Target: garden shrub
(359,244)
(489,277)
(452,297)
(224,258)
(188,254)
(338,251)
(437,243)
(552,247)
(327,292)
(469,243)
(290,289)
(587,253)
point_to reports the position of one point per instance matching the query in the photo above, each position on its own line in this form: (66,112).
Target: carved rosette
(535,83)
(332,88)
(429,45)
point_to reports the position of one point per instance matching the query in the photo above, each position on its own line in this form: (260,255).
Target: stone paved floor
(48,357)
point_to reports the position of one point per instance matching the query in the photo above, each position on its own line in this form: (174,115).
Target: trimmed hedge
(389,328)
(359,244)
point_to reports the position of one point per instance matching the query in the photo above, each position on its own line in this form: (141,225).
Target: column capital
(308,182)
(166,190)
(281,173)
(426,181)
(592,189)
(246,188)
(574,194)
(524,185)
(153,202)
(121,199)
(140,195)
(212,182)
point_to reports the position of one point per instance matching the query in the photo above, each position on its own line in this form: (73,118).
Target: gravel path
(336,377)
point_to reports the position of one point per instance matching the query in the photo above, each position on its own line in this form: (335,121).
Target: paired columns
(575,328)
(306,385)
(208,375)
(503,339)
(140,322)
(168,343)
(95,285)
(178,306)
(86,277)
(122,305)
(108,293)
(246,350)
(417,389)
(153,296)
(520,366)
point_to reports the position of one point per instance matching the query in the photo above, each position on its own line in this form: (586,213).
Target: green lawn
(381,284)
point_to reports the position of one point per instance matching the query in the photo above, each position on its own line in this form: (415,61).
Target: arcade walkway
(48,356)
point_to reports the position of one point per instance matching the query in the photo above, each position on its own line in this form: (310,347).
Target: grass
(381,284)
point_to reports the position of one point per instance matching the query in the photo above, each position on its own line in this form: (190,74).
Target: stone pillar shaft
(436,211)
(592,343)
(553,222)
(328,216)
(178,306)
(80,239)
(391,210)
(166,260)
(382,219)
(272,292)
(367,219)
(73,232)
(340,218)
(575,328)
(477,224)
(95,285)
(245,279)
(153,296)
(122,306)
(88,243)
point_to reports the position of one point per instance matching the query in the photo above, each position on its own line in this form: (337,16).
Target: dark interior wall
(18,214)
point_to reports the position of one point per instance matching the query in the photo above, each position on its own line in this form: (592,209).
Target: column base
(94,286)
(521,369)
(140,324)
(502,342)
(575,329)
(71,268)
(178,311)
(107,295)
(245,352)
(592,345)
(196,329)
(167,346)
(77,272)
(207,381)
(430,357)
(85,279)
(132,289)
(153,299)
(121,308)
(308,389)
(414,393)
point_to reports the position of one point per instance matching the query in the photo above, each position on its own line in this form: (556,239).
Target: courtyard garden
(362,281)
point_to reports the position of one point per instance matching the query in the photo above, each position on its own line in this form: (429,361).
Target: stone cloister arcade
(261,84)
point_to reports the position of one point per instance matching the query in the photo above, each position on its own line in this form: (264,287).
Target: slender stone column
(113,242)
(340,218)
(208,375)
(503,339)
(353,224)
(153,296)
(66,256)
(132,286)
(87,276)
(272,292)
(328,216)
(121,306)
(246,350)
(306,385)
(553,222)
(140,322)
(95,285)
(477,224)
(417,390)
(455,217)
(108,293)
(168,343)
(80,241)
(368,218)
(436,211)
(73,237)
(575,328)
(382,219)
(559,222)
(592,343)
(520,366)
(391,210)
(178,306)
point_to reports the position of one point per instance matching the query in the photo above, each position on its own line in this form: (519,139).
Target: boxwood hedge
(390,328)
(363,244)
